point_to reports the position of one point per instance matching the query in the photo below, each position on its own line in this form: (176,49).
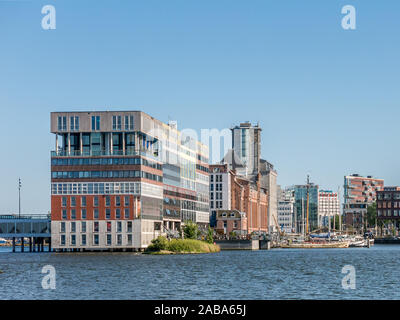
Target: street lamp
(19,197)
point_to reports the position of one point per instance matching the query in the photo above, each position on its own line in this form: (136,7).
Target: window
(119,226)
(62,227)
(83,214)
(128,122)
(83,226)
(96,239)
(73,239)
(117,201)
(64,214)
(62,240)
(119,239)
(116,125)
(96,213)
(108,226)
(212,178)
(62,123)
(108,239)
(73,202)
(127,202)
(127,213)
(129,239)
(96,201)
(108,213)
(73,214)
(96,226)
(83,201)
(74,122)
(108,201)
(117,213)
(129,226)
(95,123)
(73,227)
(84,239)
(64,201)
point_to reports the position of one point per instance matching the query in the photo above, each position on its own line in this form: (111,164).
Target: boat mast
(308,197)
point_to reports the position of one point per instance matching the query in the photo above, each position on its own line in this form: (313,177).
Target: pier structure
(35,228)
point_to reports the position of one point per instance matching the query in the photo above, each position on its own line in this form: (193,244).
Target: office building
(120,179)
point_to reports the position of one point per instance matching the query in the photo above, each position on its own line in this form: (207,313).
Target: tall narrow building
(120,179)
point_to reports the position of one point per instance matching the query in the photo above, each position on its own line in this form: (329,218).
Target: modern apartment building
(388,203)
(328,207)
(120,179)
(359,193)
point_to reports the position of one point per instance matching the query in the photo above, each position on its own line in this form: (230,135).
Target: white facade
(285,216)
(328,206)
(103,235)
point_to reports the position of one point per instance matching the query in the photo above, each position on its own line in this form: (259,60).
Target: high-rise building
(328,207)
(246,143)
(120,179)
(359,193)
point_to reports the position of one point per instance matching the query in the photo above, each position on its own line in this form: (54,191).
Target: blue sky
(327,98)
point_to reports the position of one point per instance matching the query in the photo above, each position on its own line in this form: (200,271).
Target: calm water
(274,274)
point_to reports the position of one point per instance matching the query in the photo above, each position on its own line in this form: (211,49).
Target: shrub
(210,235)
(158,244)
(191,230)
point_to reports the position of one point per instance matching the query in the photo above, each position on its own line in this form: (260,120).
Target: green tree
(191,230)
(371,214)
(210,235)
(158,244)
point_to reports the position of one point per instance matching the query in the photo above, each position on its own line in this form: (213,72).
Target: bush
(158,244)
(191,230)
(210,235)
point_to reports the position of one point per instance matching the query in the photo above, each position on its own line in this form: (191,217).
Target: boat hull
(305,245)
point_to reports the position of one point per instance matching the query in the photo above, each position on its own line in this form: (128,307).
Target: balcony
(62,153)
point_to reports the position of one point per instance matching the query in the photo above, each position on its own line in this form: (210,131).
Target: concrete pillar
(56,144)
(81,143)
(69,143)
(111,143)
(22,244)
(30,244)
(123,143)
(13,244)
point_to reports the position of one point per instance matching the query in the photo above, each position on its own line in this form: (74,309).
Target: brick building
(359,193)
(120,179)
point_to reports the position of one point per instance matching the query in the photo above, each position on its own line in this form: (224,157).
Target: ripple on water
(274,274)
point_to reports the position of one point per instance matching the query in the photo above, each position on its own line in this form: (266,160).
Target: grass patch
(177,246)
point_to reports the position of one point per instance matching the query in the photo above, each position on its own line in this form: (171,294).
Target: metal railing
(78,153)
(25,216)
